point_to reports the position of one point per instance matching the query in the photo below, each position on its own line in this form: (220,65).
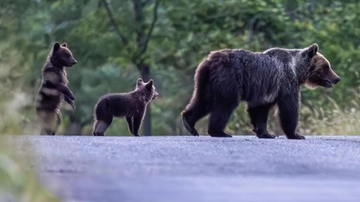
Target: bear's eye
(325,68)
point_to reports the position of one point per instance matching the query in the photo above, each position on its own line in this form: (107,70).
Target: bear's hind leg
(49,121)
(219,117)
(57,122)
(258,117)
(102,119)
(190,117)
(100,127)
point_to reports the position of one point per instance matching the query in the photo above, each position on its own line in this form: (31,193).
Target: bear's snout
(74,62)
(335,81)
(155,95)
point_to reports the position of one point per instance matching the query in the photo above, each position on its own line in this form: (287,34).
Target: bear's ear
(149,84)
(56,47)
(311,51)
(139,82)
(314,48)
(64,44)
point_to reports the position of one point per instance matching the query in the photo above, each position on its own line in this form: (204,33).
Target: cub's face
(62,56)
(319,71)
(148,87)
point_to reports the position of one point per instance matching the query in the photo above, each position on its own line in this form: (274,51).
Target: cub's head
(319,72)
(148,88)
(62,56)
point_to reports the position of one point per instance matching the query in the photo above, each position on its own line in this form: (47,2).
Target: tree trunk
(146,125)
(142,39)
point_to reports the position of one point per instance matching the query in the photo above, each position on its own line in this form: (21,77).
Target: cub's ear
(64,44)
(139,82)
(310,51)
(56,47)
(149,84)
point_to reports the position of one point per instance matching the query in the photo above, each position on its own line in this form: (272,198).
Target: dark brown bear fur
(262,80)
(131,105)
(54,88)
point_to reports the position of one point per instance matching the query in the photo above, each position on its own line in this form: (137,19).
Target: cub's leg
(102,119)
(258,117)
(289,114)
(57,121)
(130,121)
(65,90)
(69,101)
(137,120)
(49,121)
(100,127)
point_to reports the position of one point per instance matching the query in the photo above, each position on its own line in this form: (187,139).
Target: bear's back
(121,104)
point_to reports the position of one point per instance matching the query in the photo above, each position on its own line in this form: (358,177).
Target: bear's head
(61,56)
(147,88)
(319,72)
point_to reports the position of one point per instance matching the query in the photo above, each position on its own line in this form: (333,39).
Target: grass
(313,120)
(18,182)
(330,122)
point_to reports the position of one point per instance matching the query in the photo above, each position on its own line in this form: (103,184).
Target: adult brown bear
(262,80)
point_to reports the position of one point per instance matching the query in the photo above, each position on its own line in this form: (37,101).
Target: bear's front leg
(136,125)
(69,101)
(258,117)
(137,120)
(65,90)
(289,114)
(130,121)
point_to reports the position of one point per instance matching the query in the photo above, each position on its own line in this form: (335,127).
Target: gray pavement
(196,169)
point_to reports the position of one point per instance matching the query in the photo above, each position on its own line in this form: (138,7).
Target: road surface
(197,169)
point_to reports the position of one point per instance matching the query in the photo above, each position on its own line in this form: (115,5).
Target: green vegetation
(17,180)
(117,42)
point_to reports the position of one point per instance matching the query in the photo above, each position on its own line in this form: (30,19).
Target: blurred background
(116,42)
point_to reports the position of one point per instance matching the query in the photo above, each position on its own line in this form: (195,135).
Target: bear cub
(262,80)
(131,105)
(53,90)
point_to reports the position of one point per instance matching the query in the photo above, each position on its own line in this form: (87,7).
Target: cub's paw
(70,95)
(72,104)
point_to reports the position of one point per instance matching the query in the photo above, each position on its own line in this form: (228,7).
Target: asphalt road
(197,169)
